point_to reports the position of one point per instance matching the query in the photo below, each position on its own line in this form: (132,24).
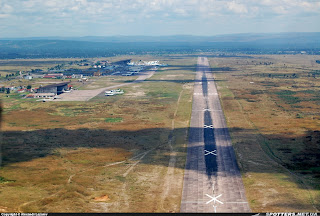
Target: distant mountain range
(291,37)
(97,46)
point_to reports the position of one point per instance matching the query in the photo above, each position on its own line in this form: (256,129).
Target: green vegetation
(287,97)
(4,180)
(114,119)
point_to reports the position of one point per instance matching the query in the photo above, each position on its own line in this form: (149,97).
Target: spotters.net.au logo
(292,214)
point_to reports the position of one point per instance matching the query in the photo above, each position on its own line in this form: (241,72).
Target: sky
(76,18)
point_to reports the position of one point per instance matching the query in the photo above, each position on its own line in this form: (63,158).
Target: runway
(212,180)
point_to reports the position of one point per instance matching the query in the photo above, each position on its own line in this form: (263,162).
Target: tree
(8,90)
(29,87)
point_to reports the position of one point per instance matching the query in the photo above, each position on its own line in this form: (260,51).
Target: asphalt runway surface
(212,180)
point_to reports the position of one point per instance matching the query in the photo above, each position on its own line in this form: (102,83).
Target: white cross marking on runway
(210,152)
(214,199)
(208,126)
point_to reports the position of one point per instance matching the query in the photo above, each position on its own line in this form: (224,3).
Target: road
(85,95)
(212,180)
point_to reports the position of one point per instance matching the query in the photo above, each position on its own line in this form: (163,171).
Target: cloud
(237,8)
(4,15)
(282,7)
(136,14)
(280,10)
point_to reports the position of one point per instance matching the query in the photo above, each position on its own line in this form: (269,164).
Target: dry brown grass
(60,156)
(274,123)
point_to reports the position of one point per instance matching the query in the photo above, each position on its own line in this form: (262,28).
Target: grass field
(127,153)
(271,104)
(110,154)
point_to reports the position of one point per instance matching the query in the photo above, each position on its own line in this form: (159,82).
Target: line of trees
(4,90)
(10,75)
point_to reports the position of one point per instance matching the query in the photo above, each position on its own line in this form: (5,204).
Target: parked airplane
(113,92)
(46,99)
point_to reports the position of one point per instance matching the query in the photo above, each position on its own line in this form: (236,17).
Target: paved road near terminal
(85,95)
(212,180)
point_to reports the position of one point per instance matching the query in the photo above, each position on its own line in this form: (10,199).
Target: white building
(28,77)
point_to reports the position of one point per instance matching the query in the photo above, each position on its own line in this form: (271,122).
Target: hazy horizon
(169,35)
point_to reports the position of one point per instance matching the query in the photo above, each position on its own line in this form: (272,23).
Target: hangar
(54,88)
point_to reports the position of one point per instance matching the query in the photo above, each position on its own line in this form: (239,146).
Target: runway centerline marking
(208,126)
(215,208)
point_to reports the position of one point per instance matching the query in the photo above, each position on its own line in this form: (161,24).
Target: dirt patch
(102,198)
(136,94)
(3,209)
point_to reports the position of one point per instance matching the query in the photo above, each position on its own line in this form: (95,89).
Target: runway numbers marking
(206,152)
(208,126)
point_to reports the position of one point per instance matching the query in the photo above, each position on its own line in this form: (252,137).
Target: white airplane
(45,99)
(108,93)
(113,92)
(127,74)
